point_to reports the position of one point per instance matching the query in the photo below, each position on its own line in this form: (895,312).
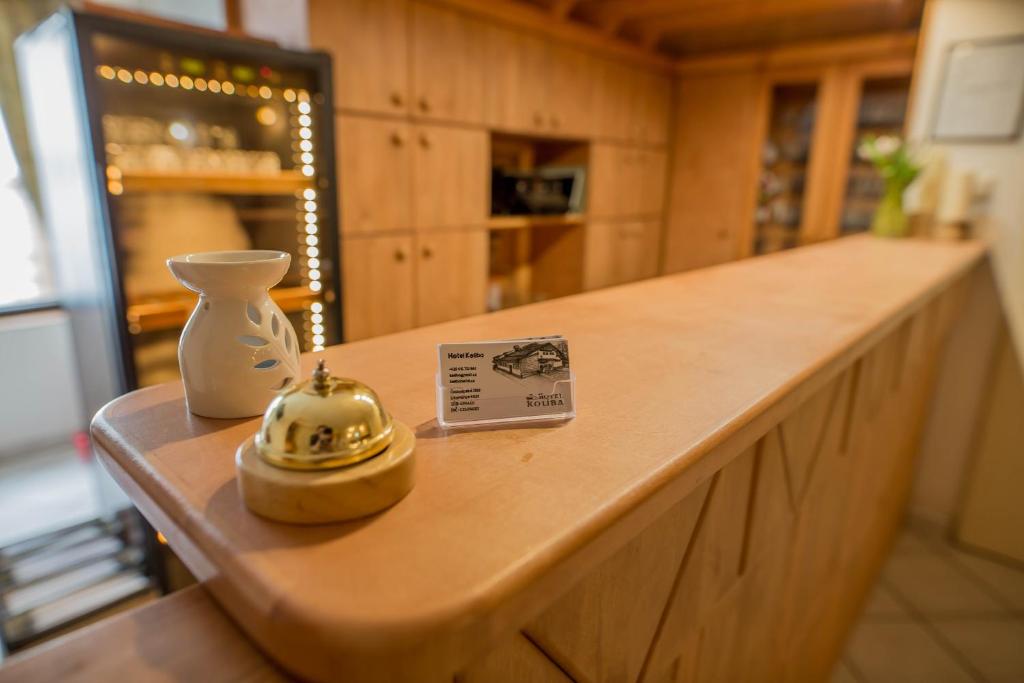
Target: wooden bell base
(327,496)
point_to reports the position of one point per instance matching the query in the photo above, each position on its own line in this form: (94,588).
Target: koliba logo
(544,400)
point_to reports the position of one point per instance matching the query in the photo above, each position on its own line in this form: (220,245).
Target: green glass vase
(890,220)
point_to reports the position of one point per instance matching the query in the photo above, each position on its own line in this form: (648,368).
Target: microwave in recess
(545,190)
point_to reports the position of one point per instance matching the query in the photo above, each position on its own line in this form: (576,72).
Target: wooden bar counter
(740,460)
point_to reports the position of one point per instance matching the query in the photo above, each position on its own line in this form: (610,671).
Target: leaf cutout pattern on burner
(267,364)
(285,382)
(288,340)
(253,314)
(275,324)
(252,340)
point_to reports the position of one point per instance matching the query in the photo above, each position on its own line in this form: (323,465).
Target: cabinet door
(637,252)
(452,275)
(604,196)
(448,64)
(515,90)
(613,99)
(619,252)
(451,177)
(599,247)
(367,40)
(375,165)
(655,103)
(716,162)
(377,292)
(571,91)
(652,168)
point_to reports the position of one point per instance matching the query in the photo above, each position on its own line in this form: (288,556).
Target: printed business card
(515,380)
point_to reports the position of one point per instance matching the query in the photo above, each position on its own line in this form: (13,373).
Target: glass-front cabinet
(198,143)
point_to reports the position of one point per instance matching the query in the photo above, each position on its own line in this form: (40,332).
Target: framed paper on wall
(981,98)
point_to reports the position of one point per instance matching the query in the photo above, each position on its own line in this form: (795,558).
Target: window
(24,260)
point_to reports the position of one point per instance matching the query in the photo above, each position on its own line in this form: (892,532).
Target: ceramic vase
(237,349)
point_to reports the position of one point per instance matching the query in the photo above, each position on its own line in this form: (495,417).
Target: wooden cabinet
(653,107)
(716,154)
(626,181)
(368,42)
(516,87)
(620,252)
(379,285)
(451,274)
(375,163)
(651,177)
(571,91)
(451,177)
(447,64)
(613,99)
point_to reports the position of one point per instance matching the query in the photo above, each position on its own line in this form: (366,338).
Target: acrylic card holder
(506,381)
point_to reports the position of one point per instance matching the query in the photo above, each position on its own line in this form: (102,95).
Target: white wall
(949,21)
(41,403)
(951,434)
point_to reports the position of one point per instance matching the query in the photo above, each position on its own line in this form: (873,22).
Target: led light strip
(200,84)
(302,142)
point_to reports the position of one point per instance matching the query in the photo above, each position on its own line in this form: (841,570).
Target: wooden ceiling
(682,28)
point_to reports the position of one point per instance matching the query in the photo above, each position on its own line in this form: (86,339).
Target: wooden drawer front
(378,286)
(375,161)
(451,271)
(451,177)
(367,40)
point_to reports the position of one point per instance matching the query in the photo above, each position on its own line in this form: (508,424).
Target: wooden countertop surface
(675,376)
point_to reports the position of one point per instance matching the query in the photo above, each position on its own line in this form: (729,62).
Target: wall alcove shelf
(521,222)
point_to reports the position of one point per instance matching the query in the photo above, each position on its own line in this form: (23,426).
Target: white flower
(887,144)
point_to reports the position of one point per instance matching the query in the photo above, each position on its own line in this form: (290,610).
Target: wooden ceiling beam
(561,9)
(651,29)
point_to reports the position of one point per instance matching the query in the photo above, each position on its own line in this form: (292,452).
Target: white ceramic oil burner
(237,349)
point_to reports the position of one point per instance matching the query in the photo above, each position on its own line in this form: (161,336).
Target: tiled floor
(938,614)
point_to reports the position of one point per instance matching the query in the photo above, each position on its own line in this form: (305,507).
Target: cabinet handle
(397,99)
(397,139)
(428,253)
(399,255)
(424,141)
(538,118)
(424,104)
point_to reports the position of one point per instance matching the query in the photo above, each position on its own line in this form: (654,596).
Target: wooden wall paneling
(990,517)
(375,174)
(447,64)
(637,250)
(451,275)
(367,40)
(601,629)
(515,659)
(716,155)
(379,285)
(451,177)
(571,91)
(711,566)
